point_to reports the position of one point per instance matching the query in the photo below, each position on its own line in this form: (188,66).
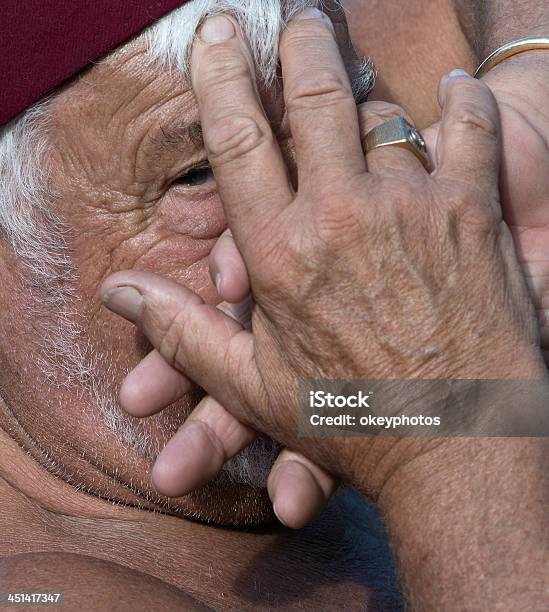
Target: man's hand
(520,87)
(373,268)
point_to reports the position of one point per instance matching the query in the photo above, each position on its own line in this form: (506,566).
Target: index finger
(249,169)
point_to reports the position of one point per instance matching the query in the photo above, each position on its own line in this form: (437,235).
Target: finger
(319,101)
(199,449)
(228,270)
(390,159)
(211,348)
(299,489)
(151,386)
(468,146)
(430,135)
(237,136)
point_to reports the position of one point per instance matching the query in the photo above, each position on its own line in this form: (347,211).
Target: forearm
(469,525)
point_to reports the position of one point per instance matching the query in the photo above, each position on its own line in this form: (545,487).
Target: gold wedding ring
(398,132)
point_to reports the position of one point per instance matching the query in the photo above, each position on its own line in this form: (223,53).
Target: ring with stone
(397,131)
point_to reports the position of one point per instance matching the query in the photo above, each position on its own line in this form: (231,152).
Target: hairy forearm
(490,23)
(470,526)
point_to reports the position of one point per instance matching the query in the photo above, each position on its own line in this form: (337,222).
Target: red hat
(44,42)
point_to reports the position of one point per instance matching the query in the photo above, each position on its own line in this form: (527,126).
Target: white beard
(67,359)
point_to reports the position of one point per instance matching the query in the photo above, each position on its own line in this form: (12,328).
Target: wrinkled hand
(379,273)
(520,86)
(521,89)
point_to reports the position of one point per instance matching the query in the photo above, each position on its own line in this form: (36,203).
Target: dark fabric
(44,42)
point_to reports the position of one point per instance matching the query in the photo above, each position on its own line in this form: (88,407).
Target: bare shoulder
(88,583)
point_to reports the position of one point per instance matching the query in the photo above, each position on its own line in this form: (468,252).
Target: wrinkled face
(132,190)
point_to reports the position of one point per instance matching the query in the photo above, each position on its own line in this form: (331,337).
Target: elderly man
(110,174)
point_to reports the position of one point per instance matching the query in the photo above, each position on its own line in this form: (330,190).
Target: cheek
(193,222)
(184,262)
(191,213)
(173,238)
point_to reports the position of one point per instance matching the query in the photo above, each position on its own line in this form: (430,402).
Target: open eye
(199,175)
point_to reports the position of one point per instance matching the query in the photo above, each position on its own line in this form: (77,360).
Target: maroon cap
(44,42)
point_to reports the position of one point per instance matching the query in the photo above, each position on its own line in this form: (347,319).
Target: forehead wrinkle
(172,126)
(164,134)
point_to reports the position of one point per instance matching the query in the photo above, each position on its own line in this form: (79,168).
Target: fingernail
(278,517)
(241,311)
(314,13)
(458,72)
(216,29)
(218,282)
(125,301)
(309,13)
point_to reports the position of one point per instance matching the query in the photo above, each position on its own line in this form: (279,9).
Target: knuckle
(232,138)
(222,71)
(333,223)
(335,226)
(473,207)
(209,434)
(370,112)
(171,336)
(473,120)
(317,89)
(238,364)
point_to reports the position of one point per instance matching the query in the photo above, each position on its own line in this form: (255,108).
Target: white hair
(169,41)
(41,240)
(26,216)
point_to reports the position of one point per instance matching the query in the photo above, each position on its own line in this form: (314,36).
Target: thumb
(194,337)
(468,146)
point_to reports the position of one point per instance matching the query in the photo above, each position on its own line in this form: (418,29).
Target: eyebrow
(174,138)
